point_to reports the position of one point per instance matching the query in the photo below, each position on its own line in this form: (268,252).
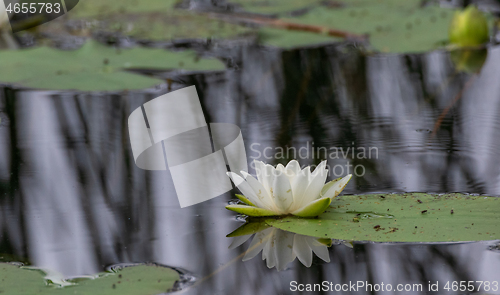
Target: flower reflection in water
(280,247)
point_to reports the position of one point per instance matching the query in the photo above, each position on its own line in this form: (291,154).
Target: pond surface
(73,200)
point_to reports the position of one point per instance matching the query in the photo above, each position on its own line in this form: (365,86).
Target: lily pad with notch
(144,279)
(409,217)
(95,67)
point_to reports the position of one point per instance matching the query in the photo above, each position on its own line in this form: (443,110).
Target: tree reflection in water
(72,199)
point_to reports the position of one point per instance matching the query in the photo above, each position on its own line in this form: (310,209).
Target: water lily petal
(335,187)
(265,174)
(245,188)
(238,241)
(320,168)
(313,209)
(348,244)
(269,174)
(259,241)
(262,194)
(258,166)
(260,170)
(266,252)
(328,185)
(292,168)
(270,251)
(318,178)
(299,186)
(282,192)
(280,167)
(244,200)
(302,250)
(271,262)
(319,249)
(284,249)
(250,211)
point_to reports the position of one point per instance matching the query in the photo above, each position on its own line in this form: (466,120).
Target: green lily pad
(176,25)
(393,25)
(148,20)
(293,39)
(133,280)
(95,67)
(410,217)
(274,7)
(92,8)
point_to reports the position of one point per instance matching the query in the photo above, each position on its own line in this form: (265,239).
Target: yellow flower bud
(469,27)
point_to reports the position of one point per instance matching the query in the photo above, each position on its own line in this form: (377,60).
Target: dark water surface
(72,199)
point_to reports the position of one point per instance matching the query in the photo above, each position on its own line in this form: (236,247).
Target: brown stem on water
(447,109)
(292,26)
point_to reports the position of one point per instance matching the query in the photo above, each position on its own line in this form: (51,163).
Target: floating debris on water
(370,215)
(495,248)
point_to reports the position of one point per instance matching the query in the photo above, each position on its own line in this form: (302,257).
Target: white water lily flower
(280,247)
(286,190)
